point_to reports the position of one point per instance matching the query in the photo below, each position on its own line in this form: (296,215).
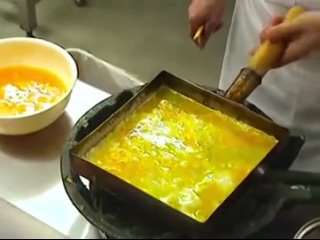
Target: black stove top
(285,225)
(288,221)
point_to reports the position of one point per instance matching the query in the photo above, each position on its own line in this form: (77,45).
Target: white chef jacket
(289,95)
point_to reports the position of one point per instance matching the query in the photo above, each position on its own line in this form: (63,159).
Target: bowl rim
(70,60)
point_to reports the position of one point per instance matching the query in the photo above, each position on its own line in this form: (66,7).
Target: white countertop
(30,175)
(16,224)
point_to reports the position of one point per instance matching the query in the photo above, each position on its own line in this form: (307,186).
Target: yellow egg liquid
(182,153)
(26,89)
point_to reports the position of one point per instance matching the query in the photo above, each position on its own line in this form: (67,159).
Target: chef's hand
(301,37)
(208,13)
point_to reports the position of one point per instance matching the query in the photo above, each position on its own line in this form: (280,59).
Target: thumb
(210,28)
(297,49)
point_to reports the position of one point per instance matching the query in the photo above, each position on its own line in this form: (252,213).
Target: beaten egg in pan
(182,153)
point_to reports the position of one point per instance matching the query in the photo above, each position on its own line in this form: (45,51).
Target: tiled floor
(141,36)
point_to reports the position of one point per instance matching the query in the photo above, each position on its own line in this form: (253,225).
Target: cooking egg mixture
(26,89)
(182,153)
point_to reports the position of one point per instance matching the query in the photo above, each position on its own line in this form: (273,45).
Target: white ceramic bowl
(43,54)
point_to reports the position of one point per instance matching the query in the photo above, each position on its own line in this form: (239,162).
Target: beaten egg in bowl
(36,81)
(26,90)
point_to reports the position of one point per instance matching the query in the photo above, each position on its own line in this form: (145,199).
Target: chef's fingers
(298,49)
(286,31)
(196,19)
(209,29)
(274,22)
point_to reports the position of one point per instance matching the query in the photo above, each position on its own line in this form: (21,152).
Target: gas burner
(116,220)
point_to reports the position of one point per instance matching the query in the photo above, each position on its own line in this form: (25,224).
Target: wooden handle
(268,55)
(245,83)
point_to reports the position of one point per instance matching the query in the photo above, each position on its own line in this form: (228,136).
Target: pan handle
(292,177)
(300,194)
(295,186)
(266,57)
(269,54)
